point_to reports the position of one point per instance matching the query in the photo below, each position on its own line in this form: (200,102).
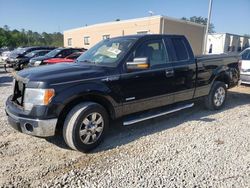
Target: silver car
(245,66)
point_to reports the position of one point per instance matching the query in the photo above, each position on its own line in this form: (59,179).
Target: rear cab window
(179,51)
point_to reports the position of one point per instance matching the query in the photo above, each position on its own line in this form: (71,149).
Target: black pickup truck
(134,77)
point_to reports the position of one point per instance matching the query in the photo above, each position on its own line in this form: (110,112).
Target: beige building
(90,35)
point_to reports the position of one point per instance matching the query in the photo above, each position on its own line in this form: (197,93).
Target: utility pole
(208,24)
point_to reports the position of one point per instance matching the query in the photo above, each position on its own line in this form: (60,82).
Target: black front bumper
(29,125)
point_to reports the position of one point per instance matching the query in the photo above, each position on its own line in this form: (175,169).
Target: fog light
(28,127)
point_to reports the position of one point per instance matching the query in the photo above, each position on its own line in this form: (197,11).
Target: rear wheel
(217,96)
(85,126)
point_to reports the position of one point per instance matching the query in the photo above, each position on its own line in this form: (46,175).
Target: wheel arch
(223,77)
(97,98)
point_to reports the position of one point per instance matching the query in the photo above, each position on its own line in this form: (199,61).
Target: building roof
(137,20)
(136,36)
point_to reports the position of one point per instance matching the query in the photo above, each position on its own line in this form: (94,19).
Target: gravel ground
(191,148)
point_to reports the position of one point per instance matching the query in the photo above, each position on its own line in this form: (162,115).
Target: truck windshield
(107,52)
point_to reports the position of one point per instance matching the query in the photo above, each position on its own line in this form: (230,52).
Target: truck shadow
(120,135)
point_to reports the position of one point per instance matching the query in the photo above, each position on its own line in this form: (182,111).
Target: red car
(69,59)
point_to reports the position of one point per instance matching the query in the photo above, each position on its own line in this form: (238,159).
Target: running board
(148,116)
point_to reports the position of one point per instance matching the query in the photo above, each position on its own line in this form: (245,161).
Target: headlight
(37,63)
(34,97)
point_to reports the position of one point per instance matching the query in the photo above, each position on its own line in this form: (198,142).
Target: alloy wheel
(91,128)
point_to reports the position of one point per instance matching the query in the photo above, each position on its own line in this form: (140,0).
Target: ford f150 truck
(135,77)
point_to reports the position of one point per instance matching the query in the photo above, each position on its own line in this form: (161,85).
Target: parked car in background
(5,49)
(4,56)
(135,77)
(20,53)
(69,59)
(22,62)
(56,53)
(245,66)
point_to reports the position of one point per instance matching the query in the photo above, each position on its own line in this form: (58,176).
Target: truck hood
(62,73)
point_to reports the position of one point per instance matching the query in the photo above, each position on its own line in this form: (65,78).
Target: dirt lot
(191,148)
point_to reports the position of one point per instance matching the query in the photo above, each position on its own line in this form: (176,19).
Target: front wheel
(85,126)
(217,96)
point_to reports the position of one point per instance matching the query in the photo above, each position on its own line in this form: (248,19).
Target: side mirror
(138,64)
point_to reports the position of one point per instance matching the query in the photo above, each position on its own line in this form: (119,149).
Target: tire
(88,119)
(217,96)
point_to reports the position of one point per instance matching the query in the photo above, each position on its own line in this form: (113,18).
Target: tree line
(15,38)
(201,20)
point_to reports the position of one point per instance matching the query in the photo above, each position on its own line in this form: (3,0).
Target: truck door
(153,87)
(184,68)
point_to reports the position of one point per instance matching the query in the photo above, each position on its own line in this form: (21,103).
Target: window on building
(86,40)
(69,41)
(105,37)
(142,32)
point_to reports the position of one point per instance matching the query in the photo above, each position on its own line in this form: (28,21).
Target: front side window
(155,51)
(64,53)
(43,53)
(86,40)
(107,52)
(74,55)
(180,49)
(70,42)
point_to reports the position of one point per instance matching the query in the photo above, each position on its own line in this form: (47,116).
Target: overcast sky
(58,15)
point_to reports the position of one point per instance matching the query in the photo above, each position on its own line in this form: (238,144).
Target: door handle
(169,72)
